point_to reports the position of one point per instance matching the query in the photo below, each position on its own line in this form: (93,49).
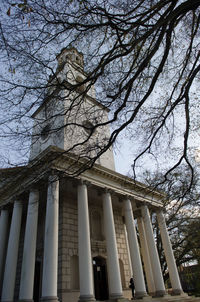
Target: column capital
(33,187)
(107,190)
(144,209)
(84,182)
(161,211)
(52,173)
(18,202)
(5,207)
(131,199)
(53,177)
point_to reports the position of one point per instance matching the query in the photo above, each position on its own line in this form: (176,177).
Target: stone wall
(69,247)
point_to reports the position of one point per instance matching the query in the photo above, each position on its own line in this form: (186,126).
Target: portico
(64,221)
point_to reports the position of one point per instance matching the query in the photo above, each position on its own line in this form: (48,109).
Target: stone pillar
(146,257)
(84,246)
(173,272)
(156,268)
(4,224)
(114,278)
(50,258)
(12,254)
(28,261)
(138,277)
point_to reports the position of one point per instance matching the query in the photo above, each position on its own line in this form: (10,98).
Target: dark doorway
(100,278)
(37,281)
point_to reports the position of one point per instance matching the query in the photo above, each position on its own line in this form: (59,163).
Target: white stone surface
(28,261)
(173,272)
(114,279)
(84,246)
(146,257)
(12,254)
(66,115)
(50,259)
(4,221)
(138,276)
(155,262)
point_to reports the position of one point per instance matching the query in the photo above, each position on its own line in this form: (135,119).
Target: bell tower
(70,112)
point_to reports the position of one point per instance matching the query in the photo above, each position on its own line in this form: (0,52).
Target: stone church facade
(81,237)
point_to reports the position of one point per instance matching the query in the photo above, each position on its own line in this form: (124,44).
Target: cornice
(57,159)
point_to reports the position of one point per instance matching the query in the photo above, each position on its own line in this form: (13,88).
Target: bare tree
(142,56)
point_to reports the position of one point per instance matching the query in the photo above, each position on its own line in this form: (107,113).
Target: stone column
(146,257)
(50,258)
(84,246)
(156,268)
(12,254)
(4,224)
(114,277)
(28,261)
(173,272)
(138,277)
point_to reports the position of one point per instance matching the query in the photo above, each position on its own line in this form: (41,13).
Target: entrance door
(100,278)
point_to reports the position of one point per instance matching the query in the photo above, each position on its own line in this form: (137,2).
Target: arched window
(97,233)
(74,270)
(88,126)
(45,132)
(79,80)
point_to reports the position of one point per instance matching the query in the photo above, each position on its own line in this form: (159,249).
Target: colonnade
(8,257)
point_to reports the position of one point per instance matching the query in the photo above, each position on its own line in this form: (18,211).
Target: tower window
(88,126)
(80,80)
(45,132)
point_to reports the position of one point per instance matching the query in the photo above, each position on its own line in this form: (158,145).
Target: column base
(115,296)
(49,299)
(85,298)
(140,295)
(25,300)
(176,292)
(160,293)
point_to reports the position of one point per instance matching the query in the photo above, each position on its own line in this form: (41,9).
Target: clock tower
(69,113)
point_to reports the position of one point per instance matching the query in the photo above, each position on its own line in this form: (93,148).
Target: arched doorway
(100,278)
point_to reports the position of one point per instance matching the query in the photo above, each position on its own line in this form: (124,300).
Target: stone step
(167,298)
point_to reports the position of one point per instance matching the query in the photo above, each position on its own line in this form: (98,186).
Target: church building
(69,236)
